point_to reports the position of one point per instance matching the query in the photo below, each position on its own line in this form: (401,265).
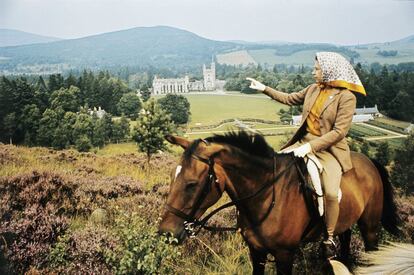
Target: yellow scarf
(312,121)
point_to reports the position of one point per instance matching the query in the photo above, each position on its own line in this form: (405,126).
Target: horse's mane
(252,144)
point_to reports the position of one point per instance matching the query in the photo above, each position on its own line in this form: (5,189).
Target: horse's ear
(178,141)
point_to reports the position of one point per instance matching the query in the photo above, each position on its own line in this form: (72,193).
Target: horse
(266,188)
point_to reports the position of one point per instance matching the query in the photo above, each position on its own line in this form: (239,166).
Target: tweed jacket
(335,119)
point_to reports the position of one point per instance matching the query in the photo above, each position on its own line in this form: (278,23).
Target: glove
(300,151)
(256,84)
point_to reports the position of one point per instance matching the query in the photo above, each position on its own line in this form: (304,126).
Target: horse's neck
(244,183)
(245,175)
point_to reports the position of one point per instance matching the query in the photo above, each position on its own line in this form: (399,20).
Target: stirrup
(329,248)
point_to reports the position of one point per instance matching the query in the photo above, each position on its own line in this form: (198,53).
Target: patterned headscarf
(338,72)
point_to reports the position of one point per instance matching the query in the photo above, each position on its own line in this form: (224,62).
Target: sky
(342,22)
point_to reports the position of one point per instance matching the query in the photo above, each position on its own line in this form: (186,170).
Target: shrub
(141,250)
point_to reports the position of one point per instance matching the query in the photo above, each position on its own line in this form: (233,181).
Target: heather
(97,213)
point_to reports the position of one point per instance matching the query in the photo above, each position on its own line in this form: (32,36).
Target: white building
(170,85)
(362,118)
(183,85)
(296,120)
(98,112)
(368,111)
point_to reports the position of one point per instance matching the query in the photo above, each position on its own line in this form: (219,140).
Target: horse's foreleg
(345,240)
(258,259)
(284,261)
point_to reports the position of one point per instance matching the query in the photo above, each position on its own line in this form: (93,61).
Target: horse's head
(197,183)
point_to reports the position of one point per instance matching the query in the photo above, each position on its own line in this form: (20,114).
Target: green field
(368,55)
(365,131)
(211,109)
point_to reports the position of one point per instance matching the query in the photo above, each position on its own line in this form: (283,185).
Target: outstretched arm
(296,98)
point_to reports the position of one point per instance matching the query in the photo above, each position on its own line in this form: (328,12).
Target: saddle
(310,170)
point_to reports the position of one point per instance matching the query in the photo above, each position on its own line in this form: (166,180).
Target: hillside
(10,37)
(156,46)
(298,54)
(168,47)
(69,212)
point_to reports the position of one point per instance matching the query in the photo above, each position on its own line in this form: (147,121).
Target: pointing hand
(256,84)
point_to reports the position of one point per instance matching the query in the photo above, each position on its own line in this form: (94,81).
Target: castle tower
(209,76)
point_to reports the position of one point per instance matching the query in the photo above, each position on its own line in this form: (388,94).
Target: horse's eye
(190,185)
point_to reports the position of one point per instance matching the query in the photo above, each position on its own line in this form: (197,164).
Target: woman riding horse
(269,190)
(328,108)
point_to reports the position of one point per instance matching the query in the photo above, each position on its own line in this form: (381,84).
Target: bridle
(193,225)
(190,222)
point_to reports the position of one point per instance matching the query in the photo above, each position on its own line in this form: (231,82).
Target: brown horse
(264,186)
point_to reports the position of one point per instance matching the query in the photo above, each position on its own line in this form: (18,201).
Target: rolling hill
(10,37)
(298,54)
(158,46)
(168,47)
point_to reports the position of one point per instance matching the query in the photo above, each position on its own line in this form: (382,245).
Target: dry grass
(117,179)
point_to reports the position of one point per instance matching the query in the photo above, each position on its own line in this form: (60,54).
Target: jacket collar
(330,98)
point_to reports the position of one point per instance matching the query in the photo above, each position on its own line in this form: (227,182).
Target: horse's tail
(390,219)
(393,258)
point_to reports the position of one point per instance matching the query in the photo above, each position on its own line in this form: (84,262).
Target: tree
(67,99)
(286,118)
(107,125)
(177,106)
(56,82)
(48,124)
(383,153)
(83,126)
(402,174)
(145,93)
(10,125)
(83,144)
(120,129)
(30,119)
(152,125)
(129,105)
(63,136)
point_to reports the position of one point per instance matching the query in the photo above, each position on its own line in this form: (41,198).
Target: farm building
(368,111)
(296,120)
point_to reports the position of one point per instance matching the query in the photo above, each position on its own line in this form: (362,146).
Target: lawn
(211,109)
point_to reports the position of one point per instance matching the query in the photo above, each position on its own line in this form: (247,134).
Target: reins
(193,225)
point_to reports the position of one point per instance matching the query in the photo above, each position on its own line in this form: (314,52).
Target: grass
(224,253)
(114,160)
(306,57)
(118,149)
(211,109)
(364,131)
(396,123)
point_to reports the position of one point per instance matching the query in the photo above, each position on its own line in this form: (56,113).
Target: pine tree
(152,125)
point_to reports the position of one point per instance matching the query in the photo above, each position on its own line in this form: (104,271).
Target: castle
(184,85)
